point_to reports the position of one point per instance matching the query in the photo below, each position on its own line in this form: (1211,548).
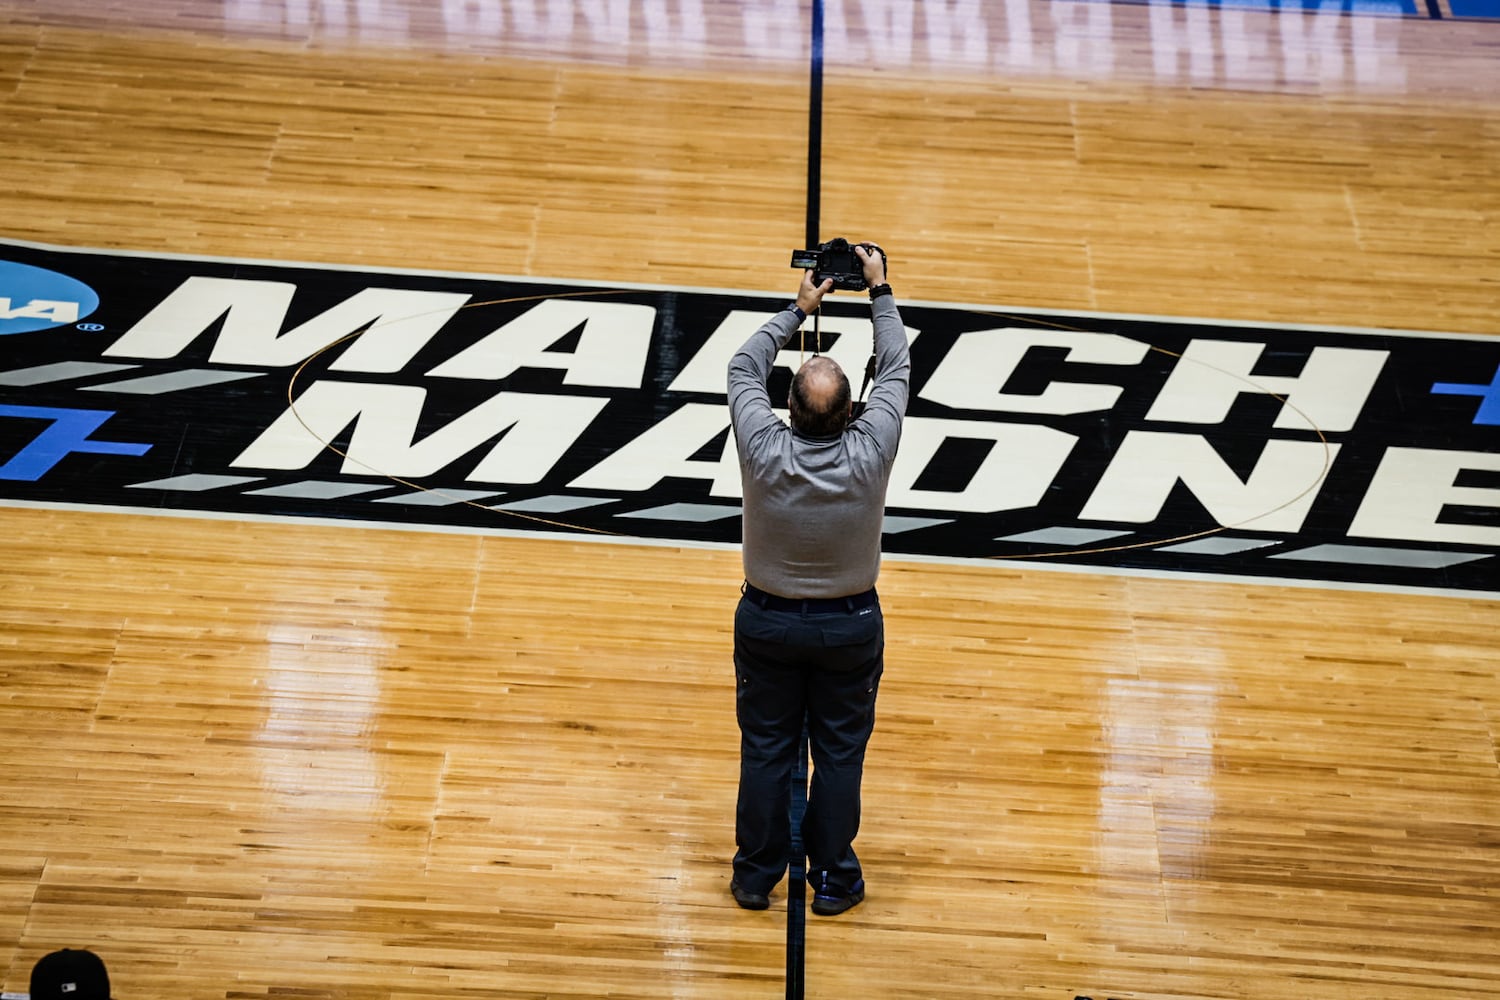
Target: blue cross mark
(1489,397)
(67,433)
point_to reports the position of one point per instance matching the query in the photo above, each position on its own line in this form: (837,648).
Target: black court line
(815,128)
(796,897)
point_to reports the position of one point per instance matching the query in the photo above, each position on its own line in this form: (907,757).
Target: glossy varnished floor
(257,760)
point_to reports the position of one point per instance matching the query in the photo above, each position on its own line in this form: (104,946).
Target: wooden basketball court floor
(257,760)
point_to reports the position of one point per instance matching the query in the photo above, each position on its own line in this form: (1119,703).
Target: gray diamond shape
(439,498)
(1379,555)
(1218,545)
(1066,536)
(552,504)
(196,482)
(697,512)
(60,371)
(895,525)
(313,489)
(156,385)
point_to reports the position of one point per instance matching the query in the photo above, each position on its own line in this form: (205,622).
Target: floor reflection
(1156,795)
(322,693)
(1374,46)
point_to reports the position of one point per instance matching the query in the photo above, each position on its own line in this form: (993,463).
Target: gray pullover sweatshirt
(814,507)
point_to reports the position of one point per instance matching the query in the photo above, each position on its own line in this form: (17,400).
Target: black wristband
(797,310)
(876,291)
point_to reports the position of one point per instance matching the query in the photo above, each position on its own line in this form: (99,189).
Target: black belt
(813,605)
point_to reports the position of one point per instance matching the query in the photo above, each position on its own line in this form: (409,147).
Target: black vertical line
(815,129)
(1434,12)
(796,895)
(796,903)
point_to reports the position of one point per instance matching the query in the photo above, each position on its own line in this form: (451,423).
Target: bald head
(819,400)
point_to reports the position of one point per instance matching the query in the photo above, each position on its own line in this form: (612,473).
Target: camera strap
(817,334)
(818,349)
(869,375)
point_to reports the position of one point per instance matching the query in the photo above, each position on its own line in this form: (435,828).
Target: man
(809,638)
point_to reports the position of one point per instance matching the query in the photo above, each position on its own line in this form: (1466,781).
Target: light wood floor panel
(1279,207)
(1235,206)
(1098,779)
(259,760)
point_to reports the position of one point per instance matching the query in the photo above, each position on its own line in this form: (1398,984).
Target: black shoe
(829,899)
(747,899)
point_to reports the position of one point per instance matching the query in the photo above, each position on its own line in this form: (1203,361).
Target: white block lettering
(1211,375)
(1148,464)
(1413,485)
(956,32)
(612,346)
(1169,40)
(849,340)
(399,323)
(665,450)
(972,373)
(538,429)
(1014,475)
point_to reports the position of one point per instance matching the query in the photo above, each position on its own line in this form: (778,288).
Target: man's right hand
(810,296)
(873,262)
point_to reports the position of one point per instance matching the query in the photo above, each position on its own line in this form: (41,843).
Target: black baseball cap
(69,975)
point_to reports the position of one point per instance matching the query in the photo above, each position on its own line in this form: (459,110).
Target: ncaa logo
(32,298)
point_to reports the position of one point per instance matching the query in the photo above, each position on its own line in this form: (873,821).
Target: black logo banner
(466,402)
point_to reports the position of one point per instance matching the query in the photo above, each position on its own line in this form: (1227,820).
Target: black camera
(836,259)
